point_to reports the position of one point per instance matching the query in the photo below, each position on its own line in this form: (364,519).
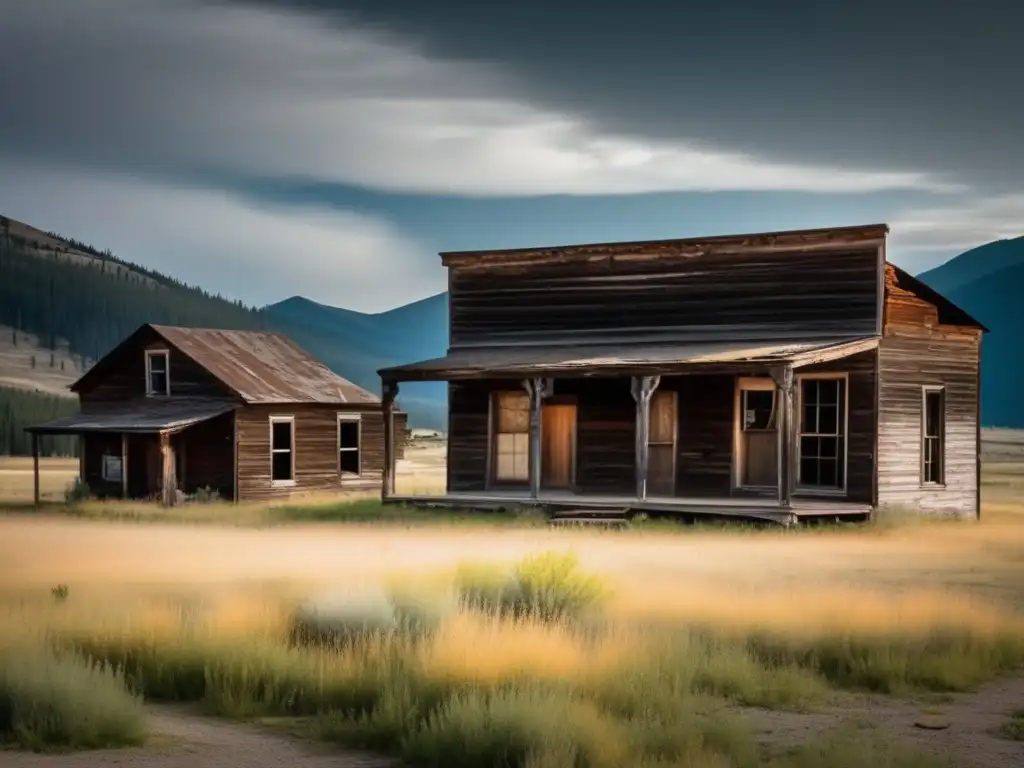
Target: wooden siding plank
(619,301)
(316,450)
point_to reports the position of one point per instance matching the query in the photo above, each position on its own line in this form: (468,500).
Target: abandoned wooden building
(246,414)
(773,375)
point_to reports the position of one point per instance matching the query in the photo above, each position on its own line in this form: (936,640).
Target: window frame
(166,355)
(105,460)
(282,419)
(822,490)
(493,480)
(358,419)
(926,390)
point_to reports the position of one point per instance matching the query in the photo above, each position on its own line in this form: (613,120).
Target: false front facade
(770,375)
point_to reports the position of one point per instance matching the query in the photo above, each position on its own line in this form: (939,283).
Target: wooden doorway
(757,440)
(661,444)
(558,449)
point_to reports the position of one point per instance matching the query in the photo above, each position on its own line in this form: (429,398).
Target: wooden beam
(537,389)
(786,430)
(643,388)
(124,465)
(35,468)
(168,480)
(390,392)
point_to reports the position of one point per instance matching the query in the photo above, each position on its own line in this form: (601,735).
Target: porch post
(786,417)
(168,484)
(124,466)
(390,391)
(537,389)
(643,388)
(35,468)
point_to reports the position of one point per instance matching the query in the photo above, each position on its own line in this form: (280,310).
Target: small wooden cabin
(771,375)
(247,414)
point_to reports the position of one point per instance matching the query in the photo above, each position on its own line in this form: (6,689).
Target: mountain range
(79,302)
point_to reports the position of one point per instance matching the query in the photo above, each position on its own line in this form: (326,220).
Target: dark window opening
(281,451)
(758,410)
(933,434)
(348,446)
(156,372)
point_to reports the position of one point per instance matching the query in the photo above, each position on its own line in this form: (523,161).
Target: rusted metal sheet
(263,367)
(254,366)
(147,415)
(565,359)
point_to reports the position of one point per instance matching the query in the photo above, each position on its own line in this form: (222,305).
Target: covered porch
(683,429)
(149,449)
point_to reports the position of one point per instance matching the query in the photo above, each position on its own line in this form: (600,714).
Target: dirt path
(966,728)
(184,740)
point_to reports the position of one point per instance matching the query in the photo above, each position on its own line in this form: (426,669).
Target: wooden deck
(754,508)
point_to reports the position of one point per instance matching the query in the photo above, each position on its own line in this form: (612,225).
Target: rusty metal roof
(264,367)
(144,416)
(621,359)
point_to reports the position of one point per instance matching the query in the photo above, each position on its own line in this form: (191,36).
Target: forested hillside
(92,304)
(72,296)
(19,409)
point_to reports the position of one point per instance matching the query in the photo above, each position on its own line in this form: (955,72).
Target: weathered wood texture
(316,451)
(606,431)
(124,375)
(674,297)
(918,350)
(206,457)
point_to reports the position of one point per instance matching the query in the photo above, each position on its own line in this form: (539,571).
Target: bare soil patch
(965,728)
(185,740)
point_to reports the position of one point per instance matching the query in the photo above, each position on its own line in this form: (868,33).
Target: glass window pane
(348,433)
(828,447)
(828,469)
(828,420)
(282,466)
(808,471)
(808,447)
(158,363)
(758,409)
(809,419)
(349,462)
(281,435)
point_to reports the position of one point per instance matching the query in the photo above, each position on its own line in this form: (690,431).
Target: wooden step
(590,517)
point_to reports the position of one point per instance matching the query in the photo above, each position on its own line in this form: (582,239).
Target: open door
(558,450)
(758,438)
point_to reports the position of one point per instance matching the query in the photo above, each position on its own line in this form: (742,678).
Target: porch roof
(140,416)
(596,360)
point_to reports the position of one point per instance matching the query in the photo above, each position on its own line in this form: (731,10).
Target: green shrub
(77,492)
(1013,728)
(548,587)
(855,746)
(64,700)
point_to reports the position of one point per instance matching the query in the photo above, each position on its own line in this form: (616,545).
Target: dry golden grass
(16,478)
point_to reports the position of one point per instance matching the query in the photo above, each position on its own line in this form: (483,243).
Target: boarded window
(512,436)
(822,433)
(348,445)
(156,373)
(282,449)
(933,435)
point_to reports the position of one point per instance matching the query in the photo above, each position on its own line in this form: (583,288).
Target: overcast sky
(330,149)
